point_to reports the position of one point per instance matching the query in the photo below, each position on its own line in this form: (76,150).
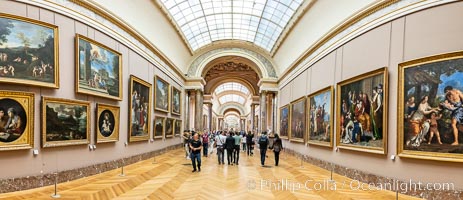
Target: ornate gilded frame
(166,128)
(330,90)
(115,111)
(172,93)
(304,129)
(281,123)
(146,136)
(156,79)
(163,122)
(177,127)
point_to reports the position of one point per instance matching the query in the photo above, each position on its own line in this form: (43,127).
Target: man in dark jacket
(196,146)
(230,145)
(263,144)
(249,142)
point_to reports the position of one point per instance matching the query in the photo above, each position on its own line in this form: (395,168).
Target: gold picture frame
(107,123)
(169,128)
(320,120)
(17,133)
(177,127)
(159,127)
(284,121)
(297,126)
(355,118)
(38,65)
(140,109)
(175,101)
(161,94)
(434,110)
(65,122)
(98,69)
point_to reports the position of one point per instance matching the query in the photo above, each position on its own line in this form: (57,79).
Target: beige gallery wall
(21,163)
(428,32)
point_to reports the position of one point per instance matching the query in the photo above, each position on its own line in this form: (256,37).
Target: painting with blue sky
(98,69)
(162,95)
(28,52)
(320,128)
(284,121)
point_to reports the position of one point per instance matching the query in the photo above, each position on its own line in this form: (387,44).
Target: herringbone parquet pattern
(170,177)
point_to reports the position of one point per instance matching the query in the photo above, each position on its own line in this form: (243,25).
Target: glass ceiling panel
(232,86)
(231,97)
(258,21)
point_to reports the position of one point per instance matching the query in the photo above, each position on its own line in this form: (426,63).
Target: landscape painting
(28,52)
(298,120)
(362,112)
(65,122)
(139,114)
(98,69)
(169,128)
(16,120)
(320,111)
(430,108)
(108,123)
(159,127)
(176,101)
(284,121)
(161,95)
(177,127)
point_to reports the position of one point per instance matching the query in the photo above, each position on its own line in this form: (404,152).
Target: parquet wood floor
(170,177)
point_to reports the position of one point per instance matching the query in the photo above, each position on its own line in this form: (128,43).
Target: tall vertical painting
(430,111)
(298,120)
(176,101)
(16,120)
(65,122)
(28,52)
(320,109)
(161,95)
(284,121)
(98,69)
(140,109)
(177,127)
(107,122)
(169,128)
(362,112)
(159,127)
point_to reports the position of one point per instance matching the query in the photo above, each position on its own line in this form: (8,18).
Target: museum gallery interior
(98,96)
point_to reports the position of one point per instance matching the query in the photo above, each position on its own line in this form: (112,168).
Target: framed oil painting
(140,109)
(176,101)
(177,127)
(169,128)
(65,122)
(159,127)
(28,52)
(298,120)
(107,123)
(161,94)
(98,69)
(320,109)
(284,121)
(430,122)
(16,120)
(362,112)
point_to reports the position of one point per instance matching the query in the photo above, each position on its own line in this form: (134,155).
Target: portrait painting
(176,101)
(107,123)
(28,52)
(298,120)
(159,127)
(362,112)
(140,109)
(98,69)
(430,122)
(320,109)
(65,122)
(177,127)
(16,120)
(284,121)
(161,92)
(169,127)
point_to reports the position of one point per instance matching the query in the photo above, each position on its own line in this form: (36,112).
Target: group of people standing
(229,142)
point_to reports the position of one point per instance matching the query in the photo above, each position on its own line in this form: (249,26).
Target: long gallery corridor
(170,177)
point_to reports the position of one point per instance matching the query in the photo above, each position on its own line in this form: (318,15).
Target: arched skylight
(258,21)
(231,97)
(232,86)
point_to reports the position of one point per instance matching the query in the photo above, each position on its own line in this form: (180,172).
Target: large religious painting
(107,123)
(65,122)
(159,127)
(16,120)
(161,95)
(430,111)
(362,112)
(169,129)
(140,109)
(298,120)
(28,51)
(98,69)
(320,109)
(284,121)
(176,101)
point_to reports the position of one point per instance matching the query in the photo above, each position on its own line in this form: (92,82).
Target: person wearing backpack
(277,147)
(263,144)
